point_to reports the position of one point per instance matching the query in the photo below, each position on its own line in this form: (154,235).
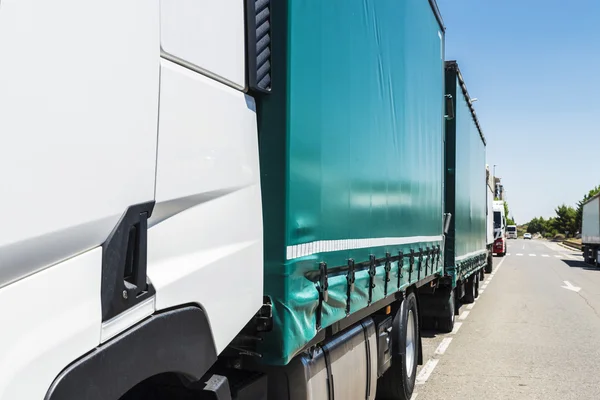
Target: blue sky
(535,68)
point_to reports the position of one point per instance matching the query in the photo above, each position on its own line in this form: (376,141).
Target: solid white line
(532,255)
(457,326)
(500,264)
(323,246)
(464,315)
(441,349)
(426,371)
(470,306)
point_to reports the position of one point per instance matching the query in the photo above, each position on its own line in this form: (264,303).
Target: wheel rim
(410,343)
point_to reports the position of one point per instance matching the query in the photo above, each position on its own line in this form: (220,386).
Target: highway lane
(532,334)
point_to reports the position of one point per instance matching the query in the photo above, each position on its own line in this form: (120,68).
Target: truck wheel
(476,283)
(446,323)
(489,267)
(469,290)
(398,382)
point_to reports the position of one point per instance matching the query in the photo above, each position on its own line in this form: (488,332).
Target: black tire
(469,296)
(481,274)
(477,280)
(489,267)
(446,323)
(398,382)
(427,323)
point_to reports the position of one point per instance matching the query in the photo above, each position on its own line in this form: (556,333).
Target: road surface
(533,333)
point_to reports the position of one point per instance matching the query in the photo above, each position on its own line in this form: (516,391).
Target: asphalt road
(529,335)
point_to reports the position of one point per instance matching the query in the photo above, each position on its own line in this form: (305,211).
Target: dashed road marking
(508,254)
(545,255)
(519,254)
(457,326)
(464,315)
(480,291)
(532,255)
(441,349)
(414,396)
(470,306)
(426,371)
(557,256)
(484,286)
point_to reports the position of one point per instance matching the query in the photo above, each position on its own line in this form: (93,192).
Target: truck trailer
(489,225)
(466,253)
(590,230)
(231,200)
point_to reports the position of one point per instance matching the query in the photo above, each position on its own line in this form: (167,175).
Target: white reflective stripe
(321,246)
(469,255)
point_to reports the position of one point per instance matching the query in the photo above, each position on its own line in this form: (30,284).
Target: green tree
(509,221)
(565,219)
(579,211)
(537,225)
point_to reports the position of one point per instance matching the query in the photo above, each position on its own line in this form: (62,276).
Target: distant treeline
(567,220)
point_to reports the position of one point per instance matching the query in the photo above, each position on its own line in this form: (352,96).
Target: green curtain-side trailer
(351,152)
(465,183)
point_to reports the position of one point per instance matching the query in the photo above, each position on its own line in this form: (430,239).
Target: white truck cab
(499,228)
(131,185)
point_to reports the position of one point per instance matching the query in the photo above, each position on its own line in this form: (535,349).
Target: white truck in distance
(499,228)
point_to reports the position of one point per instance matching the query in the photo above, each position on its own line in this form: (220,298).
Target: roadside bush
(559,236)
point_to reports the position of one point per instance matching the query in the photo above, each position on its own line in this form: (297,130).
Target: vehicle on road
(511,232)
(499,228)
(590,230)
(466,251)
(489,224)
(527,236)
(238,199)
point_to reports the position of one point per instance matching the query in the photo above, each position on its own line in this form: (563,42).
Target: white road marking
(532,255)
(519,254)
(500,264)
(441,349)
(545,255)
(557,256)
(414,396)
(484,286)
(578,258)
(508,254)
(523,247)
(426,371)
(480,291)
(457,326)
(464,315)
(470,306)
(569,286)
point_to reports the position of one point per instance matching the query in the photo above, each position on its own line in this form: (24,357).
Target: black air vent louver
(259,45)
